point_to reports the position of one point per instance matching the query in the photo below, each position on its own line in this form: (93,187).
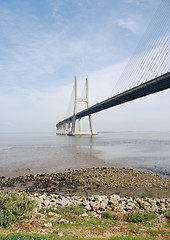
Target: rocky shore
(92,181)
(88,199)
(99,203)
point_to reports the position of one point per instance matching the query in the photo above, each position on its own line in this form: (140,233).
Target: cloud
(135,20)
(33,110)
(129,24)
(34,53)
(84,43)
(143,3)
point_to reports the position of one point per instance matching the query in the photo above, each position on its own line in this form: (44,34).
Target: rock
(152,202)
(57,216)
(142,229)
(162,206)
(103,206)
(98,203)
(52,204)
(162,201)
(114,197)
(146,208)
(49,224)
(77,199)
(85,202)
(140,202)
(88,207)
(98,198)
(44,232)
(109,208)
(60,234)
(46,202)
(54,196)
(62,220)
(113,203)
(51,214)
(95,206)
(63,202)
(84,215)
(131,206)
(120,207)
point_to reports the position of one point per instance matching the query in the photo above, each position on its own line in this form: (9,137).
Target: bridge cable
(135,68)
(69,111)
(148,54)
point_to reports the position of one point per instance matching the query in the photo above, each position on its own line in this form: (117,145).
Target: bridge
(151,71)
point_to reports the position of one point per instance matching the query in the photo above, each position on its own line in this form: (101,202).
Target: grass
(167,225)
(54,237)
(139,217)
(136,223)
(72,214)
(167,215)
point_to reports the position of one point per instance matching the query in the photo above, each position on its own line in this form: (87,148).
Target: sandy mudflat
(25,161)
(89,181)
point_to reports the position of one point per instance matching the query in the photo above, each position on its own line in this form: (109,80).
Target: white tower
(76,130)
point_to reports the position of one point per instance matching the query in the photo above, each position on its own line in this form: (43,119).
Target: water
(26,153)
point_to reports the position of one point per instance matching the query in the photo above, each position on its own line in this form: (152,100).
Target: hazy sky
(45,43)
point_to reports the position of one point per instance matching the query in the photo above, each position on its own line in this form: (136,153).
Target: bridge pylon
(76,125)
(73,125)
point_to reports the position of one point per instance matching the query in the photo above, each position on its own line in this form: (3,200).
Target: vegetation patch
(139,217)
(167,215)
(13,207)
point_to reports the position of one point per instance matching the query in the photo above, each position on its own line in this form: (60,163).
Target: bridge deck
(155,85)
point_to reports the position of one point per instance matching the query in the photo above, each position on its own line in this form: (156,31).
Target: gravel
(92,181)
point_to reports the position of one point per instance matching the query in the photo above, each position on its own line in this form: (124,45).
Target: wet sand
(37,160)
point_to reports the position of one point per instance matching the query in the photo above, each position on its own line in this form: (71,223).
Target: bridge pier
(63,128)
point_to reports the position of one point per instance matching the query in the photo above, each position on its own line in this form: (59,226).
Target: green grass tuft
(14,206)
(167,215)
(139,217)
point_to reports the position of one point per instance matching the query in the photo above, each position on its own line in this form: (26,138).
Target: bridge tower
(72,125)
(76,126)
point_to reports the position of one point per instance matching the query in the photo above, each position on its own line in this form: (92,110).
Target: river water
(26,153)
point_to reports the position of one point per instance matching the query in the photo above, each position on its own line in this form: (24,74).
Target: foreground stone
(99,203)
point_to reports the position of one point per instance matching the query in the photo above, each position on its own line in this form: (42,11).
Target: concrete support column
(73,129)
(79,126)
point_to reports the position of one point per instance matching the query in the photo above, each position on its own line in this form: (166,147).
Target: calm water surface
(48,152)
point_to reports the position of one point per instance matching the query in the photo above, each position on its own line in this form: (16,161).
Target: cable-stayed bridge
(147,72)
